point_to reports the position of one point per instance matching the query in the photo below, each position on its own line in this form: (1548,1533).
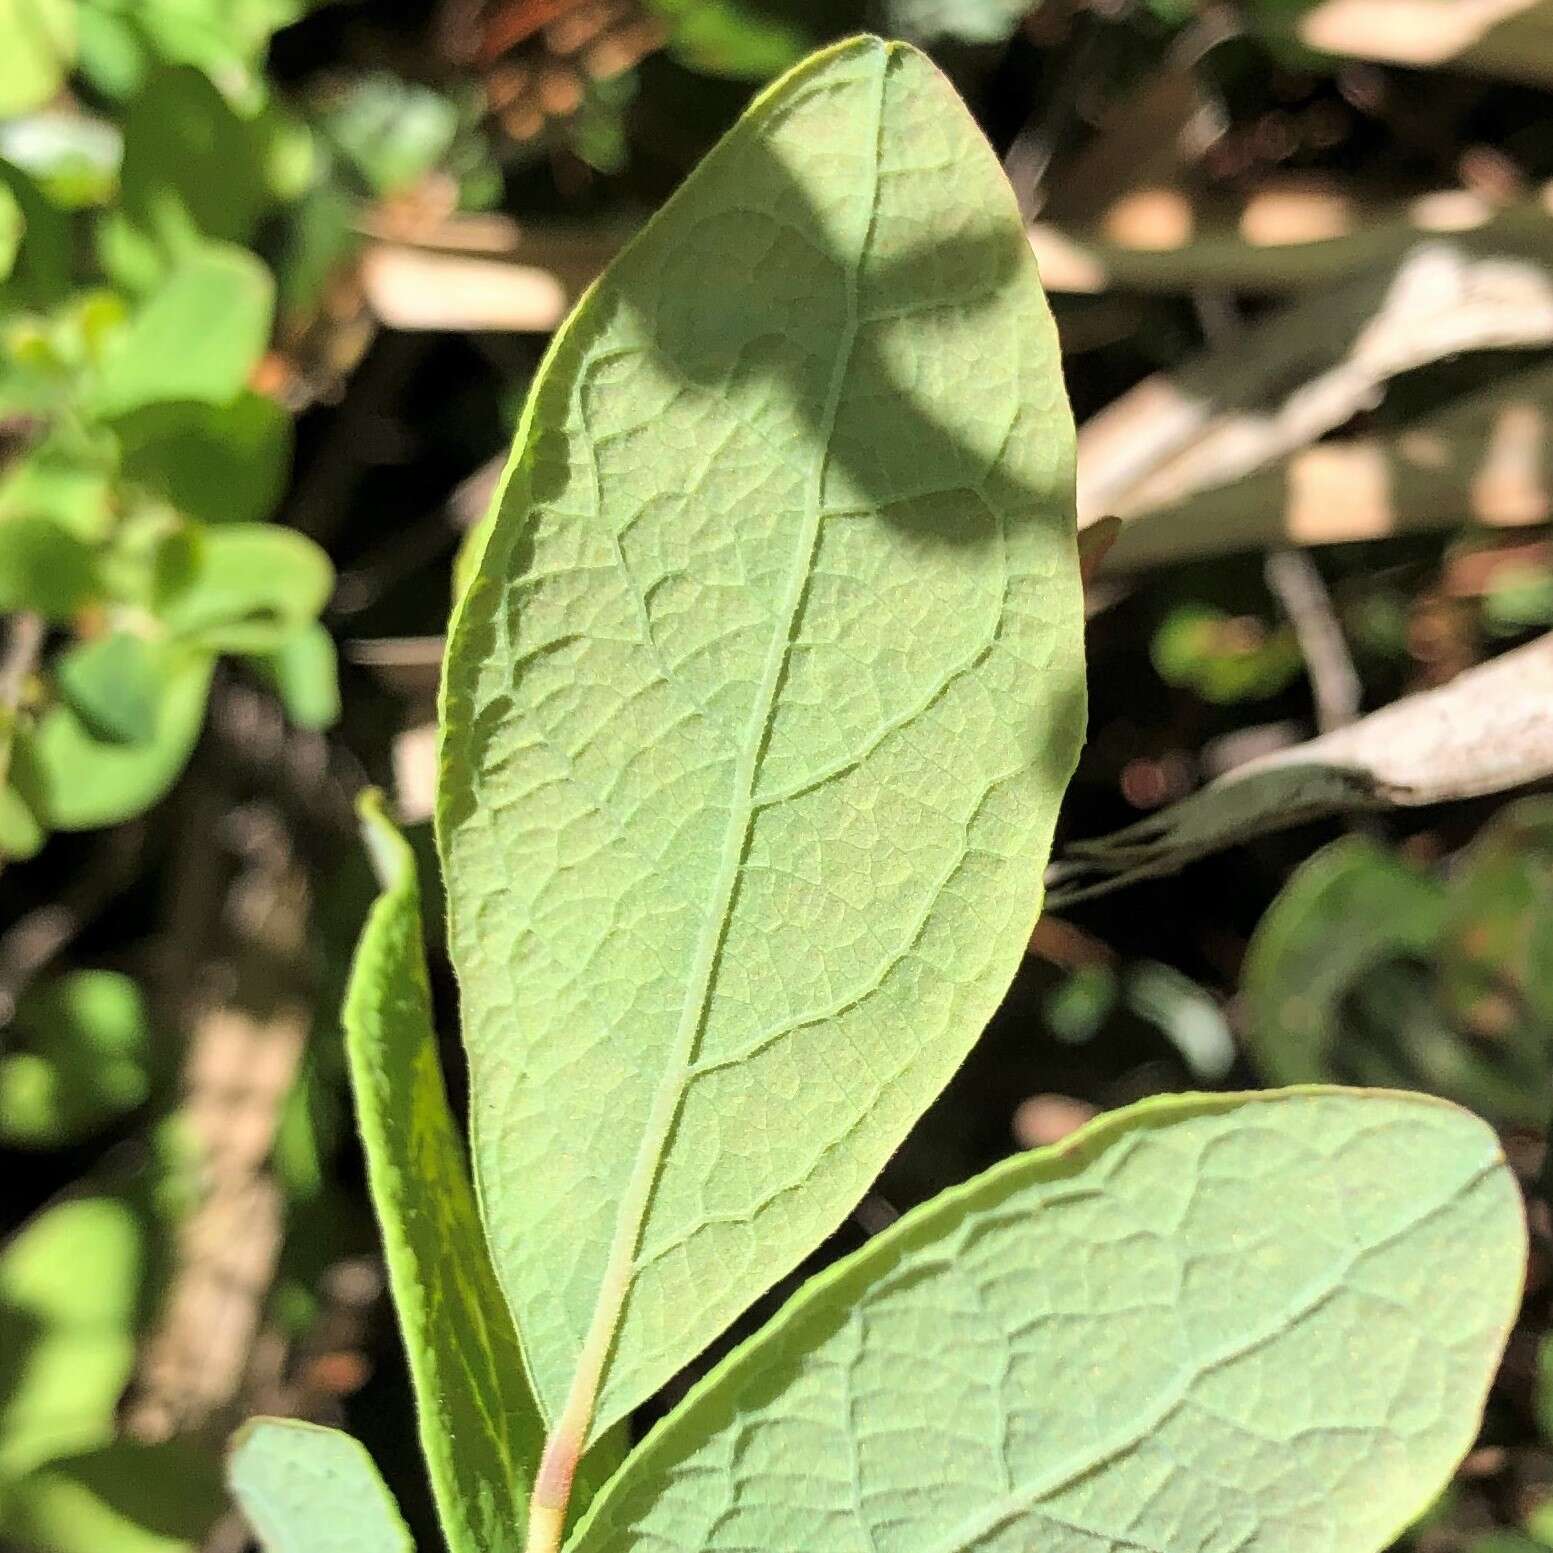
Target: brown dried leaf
(1490,729)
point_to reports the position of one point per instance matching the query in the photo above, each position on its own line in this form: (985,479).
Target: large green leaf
(757,713)
(1262,1322)
(480,1428)
(310,1490)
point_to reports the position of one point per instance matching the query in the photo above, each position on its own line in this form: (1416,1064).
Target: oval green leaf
(1255,1322)
(306,1489)
(218,463)
(115,685)
(757,713)
(197,336)
(72,781)
(240,587)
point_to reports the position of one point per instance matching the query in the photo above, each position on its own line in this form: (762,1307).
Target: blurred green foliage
(152,183)
(85,1057)
(133,321)
(1374,968)
(1225,657)
(76,1286)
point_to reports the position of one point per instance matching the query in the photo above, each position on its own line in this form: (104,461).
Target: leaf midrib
(577,1419)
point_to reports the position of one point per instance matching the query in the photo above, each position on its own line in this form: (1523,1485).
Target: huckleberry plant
(758,706)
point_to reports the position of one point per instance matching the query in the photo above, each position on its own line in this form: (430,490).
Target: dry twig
(1334,682)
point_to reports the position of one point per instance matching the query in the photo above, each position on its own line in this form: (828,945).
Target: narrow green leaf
(1263,1322)
(479,1426)
(757,713)
(310,1490)
(305,672)
(197,336)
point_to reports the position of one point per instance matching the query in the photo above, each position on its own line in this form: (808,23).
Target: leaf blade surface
(756,717)
(1255,1321)
(307,1489)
